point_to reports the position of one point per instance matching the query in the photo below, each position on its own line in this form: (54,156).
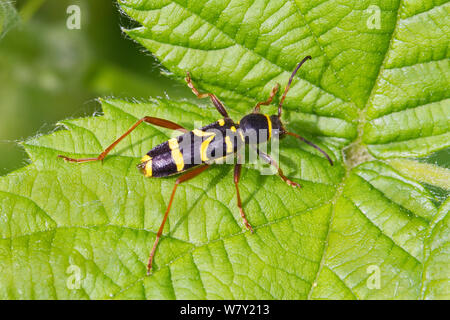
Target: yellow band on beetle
(148,165)
(176,153)
(269,124)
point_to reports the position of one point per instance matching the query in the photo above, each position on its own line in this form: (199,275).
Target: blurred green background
(49,73)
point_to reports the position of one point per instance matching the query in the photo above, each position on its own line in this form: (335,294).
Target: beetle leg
(273,163)
(237,175)
(155,121)
(269,100)
(185,177)
(219,106)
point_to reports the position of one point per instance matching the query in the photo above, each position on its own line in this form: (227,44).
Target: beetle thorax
(259,128)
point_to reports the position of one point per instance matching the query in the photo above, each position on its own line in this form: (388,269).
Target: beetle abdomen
(204,145)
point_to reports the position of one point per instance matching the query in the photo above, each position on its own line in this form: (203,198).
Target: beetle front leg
(273,163)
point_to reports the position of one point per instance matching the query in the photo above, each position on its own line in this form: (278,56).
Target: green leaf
(366,228)
(8,17)
(436,284)
(425,172)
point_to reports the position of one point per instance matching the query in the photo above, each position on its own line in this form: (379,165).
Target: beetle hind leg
(185,177)
(152,120)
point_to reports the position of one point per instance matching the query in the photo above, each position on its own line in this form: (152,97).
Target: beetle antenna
(289,84)
(311,144)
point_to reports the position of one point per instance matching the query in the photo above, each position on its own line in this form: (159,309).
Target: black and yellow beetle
(172,157)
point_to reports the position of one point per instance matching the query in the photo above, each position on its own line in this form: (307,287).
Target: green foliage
(367,95)
(8,17)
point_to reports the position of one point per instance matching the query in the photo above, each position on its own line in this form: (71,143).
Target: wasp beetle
(170,158)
